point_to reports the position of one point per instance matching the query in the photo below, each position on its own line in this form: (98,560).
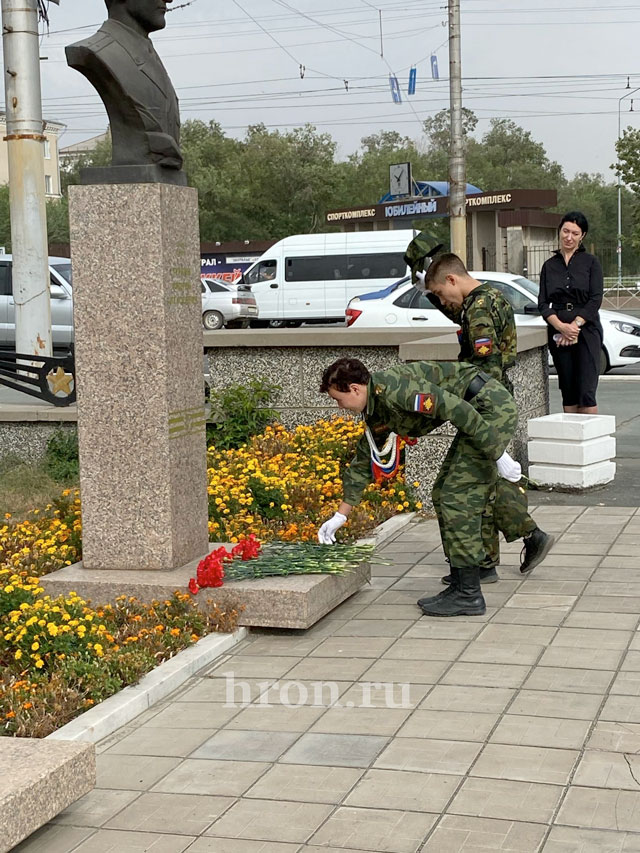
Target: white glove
(509,468)
(327,533)
(420,275)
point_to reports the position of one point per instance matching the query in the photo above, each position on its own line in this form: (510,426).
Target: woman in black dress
(571,288)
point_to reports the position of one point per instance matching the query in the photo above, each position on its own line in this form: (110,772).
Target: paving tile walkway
(383,730)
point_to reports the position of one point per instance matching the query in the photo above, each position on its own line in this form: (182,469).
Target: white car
(226,304)
(401,305)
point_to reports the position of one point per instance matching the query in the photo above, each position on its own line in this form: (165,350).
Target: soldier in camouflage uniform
(488,340)
(413,400)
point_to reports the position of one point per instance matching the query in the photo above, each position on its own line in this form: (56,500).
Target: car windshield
(64,270)
(528,285)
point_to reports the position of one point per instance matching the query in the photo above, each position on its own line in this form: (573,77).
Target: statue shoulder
(98,41)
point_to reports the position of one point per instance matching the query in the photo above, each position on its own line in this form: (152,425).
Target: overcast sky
(556,67)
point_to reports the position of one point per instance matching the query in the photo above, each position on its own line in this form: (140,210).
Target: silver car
(225,304)
(61,302)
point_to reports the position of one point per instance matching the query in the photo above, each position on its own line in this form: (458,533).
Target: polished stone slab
(297,601)
(39,779)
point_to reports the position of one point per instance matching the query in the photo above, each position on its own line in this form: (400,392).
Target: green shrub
(239,412)
(268,499)
(61,457)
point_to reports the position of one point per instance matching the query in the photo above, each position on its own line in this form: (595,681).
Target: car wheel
(604,366)
(212,320)
(277,324)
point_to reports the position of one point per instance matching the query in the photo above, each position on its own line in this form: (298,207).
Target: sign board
(226,268)
(439,205)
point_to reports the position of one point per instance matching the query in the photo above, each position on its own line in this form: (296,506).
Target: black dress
(569,291)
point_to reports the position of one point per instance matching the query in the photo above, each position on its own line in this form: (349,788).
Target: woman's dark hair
(342,373)
(577,218)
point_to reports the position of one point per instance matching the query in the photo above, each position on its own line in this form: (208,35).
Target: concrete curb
(119,709)
(388,530)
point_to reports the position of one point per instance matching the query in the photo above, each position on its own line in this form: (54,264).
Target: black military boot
(488,575)
(536,547)
(449,590)
(465,600)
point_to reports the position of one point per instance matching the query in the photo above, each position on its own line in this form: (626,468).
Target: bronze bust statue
(122,64)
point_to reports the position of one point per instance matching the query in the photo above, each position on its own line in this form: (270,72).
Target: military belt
(477,384)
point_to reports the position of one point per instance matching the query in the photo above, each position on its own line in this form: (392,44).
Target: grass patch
(25,485)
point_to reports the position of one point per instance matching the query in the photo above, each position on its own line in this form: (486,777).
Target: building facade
(52,131)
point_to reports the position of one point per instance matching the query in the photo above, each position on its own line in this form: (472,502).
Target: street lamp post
(619,244)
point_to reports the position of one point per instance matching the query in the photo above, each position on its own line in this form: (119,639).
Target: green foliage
(61,456)
(268,499)
(99,156)
(628,167)
(267,186)
(239,412)
(5,221)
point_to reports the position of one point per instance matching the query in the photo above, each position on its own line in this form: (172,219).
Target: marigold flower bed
(61,656)
(285,483)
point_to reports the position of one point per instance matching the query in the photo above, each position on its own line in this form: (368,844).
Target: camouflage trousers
(464,493)
(509,514)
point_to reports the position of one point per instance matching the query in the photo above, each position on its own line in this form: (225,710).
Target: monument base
(296,601)
(138,357)
(150,174)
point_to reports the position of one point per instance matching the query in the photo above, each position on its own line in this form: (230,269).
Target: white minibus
(312,277)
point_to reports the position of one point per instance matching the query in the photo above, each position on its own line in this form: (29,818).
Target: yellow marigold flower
(39,663)
(35,646)
(52,628)
(98,650)
(17,655)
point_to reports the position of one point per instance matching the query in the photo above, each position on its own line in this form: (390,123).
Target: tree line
(274,183)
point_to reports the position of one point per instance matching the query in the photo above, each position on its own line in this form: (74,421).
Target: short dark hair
(342,373)
(447,264)
(577,218)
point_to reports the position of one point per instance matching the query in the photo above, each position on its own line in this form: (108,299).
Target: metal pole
(25,141)
(457,179)
(619,242)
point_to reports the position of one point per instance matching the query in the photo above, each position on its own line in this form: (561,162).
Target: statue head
(146,16)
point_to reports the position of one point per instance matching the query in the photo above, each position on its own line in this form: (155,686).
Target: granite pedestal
(297,601)
(38,780)
(138,330)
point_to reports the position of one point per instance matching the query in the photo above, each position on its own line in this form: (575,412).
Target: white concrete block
(570,427)
(575,477)
(572,452)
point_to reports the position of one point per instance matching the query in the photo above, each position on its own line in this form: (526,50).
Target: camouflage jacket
(411,400)
(488,337)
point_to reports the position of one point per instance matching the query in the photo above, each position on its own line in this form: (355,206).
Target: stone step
(38,780)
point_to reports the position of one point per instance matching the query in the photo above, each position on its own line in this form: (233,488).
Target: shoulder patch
(483,346)
(424,403)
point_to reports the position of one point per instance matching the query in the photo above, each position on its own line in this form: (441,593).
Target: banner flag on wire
(434,67)
(395,89)
(413,74)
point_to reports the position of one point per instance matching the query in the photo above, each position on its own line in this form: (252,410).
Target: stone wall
(28,439)
(296,363)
